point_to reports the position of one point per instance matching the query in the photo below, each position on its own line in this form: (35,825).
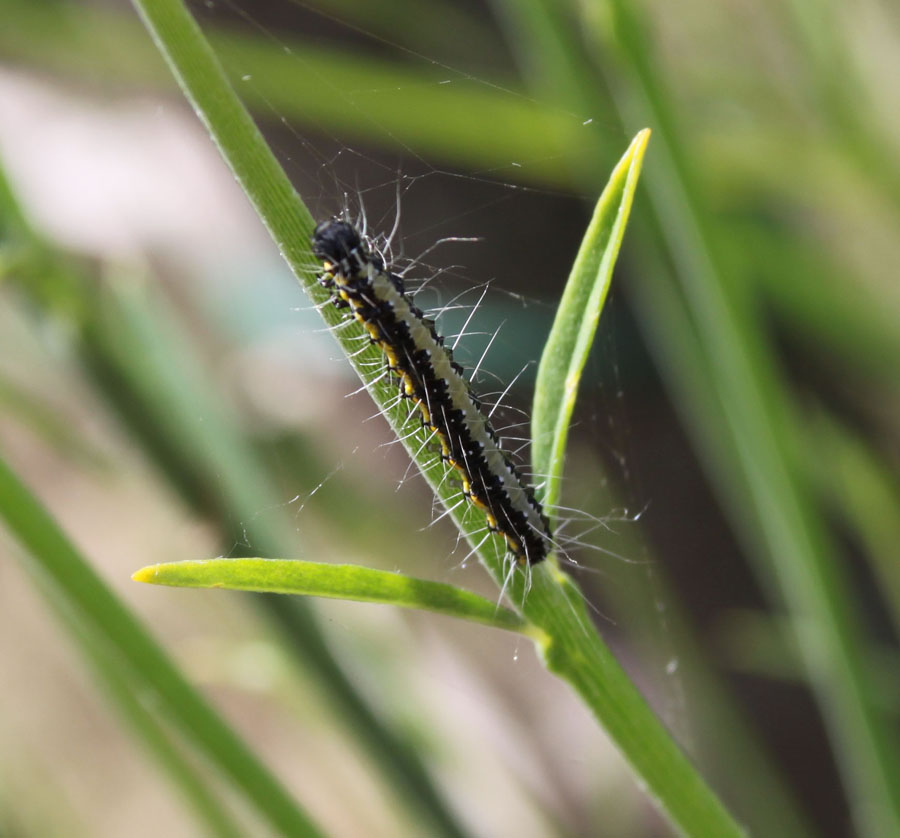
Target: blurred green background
(168,392)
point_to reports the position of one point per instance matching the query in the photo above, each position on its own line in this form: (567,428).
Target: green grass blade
(58,563)
(800,557)
(119,689)
(866,493)
(151,377)
(572,335)
(575,651)
(320,86)
(204,82)
(126,695)
(353,582)
(403,23)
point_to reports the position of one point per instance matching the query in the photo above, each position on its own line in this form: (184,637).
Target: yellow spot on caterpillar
(415,355)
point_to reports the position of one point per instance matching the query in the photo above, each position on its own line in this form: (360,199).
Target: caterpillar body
(428,375)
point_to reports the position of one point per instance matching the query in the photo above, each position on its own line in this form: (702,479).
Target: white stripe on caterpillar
(428,375)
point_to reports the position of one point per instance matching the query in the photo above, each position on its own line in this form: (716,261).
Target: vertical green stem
(58,564)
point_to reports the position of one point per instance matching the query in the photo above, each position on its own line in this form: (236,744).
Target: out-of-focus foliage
(758,268)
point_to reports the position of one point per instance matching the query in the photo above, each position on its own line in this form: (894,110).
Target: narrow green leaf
(549,599)
(575,652)
(801,556)
(45,422)
(58,564)
(411,108)
(150,375)
(572,335)
(866,494)
(753,409)
(765,646)
(127,695)
(344,581)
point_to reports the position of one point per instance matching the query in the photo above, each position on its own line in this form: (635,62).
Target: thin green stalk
(58,564)
(761,425)
(567,348)
(575,651)
(315,84)
(335,581)
(148,373)
(126,698)
(62,37)
(758,420)
(572,649)
(867,495)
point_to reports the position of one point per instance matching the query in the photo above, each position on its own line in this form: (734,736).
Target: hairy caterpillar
(428,375)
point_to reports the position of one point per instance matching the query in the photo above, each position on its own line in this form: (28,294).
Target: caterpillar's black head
(337,242)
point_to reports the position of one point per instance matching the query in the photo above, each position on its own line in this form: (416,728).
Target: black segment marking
(428,374)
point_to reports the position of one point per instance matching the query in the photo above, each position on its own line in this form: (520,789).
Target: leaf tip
(639,144)
(145,574)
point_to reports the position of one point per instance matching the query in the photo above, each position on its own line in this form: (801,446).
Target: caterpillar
(428,375)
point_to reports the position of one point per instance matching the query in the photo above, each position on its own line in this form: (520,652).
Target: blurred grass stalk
(791,274)
(113,634)
(571,648)
(750,416)
(159,416)
(858,328)
(148,374)
(134,331)
(726,745)
(866,495)
(129,698)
